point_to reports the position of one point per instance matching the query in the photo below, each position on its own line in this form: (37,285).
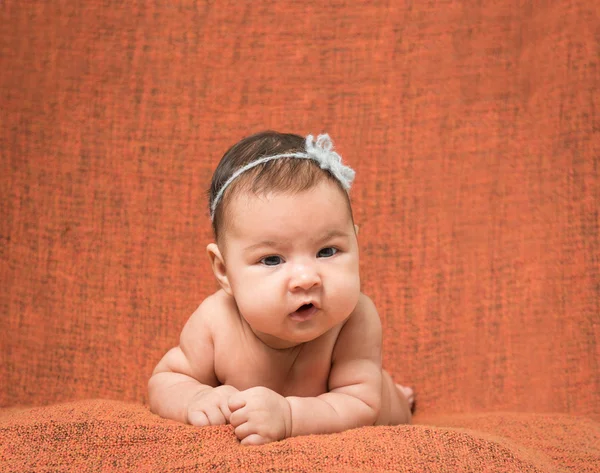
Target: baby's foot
(408,393)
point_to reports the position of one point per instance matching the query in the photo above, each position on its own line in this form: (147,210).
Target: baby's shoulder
(361,333)
(210,313)
(218,301)
(365,310)
(364,320)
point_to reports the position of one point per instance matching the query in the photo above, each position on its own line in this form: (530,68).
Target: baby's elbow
(370,409)
(372,412)
(158,385)
(152,393)
(366,403)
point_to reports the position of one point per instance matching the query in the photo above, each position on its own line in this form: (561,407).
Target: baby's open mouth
(304,307)
(304,312)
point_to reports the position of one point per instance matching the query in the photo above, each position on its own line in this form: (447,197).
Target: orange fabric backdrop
(473,128)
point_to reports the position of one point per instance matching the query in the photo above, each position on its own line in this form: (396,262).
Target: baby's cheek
(350,292)
(254,301)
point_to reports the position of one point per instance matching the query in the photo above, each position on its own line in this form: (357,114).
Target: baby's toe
(408,393)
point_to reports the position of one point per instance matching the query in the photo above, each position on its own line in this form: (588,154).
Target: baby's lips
(310,302)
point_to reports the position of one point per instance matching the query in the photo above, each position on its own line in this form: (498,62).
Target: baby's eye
(327,252)
(271,260)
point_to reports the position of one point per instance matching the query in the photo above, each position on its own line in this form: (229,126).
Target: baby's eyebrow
(335,233)
(262,244)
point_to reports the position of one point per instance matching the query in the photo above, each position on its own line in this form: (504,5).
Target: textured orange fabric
(475,134)
(114,436)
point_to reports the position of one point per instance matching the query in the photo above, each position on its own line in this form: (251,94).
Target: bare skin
(254,356)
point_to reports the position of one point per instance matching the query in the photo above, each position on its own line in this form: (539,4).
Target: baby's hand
(260,415)
(210,407)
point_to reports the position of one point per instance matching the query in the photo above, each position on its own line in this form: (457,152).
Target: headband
(320,151)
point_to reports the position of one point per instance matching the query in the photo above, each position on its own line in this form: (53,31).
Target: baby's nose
(304,276)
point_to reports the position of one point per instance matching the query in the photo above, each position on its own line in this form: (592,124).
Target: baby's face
(286,251)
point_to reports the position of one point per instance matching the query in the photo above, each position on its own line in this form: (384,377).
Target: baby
(288,345)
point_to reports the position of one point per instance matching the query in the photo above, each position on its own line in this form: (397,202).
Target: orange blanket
(113,436)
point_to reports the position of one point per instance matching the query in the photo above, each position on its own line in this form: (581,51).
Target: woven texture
(475,134)
(113,436)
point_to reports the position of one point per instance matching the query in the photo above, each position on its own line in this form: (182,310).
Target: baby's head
(286,247)
(289,175)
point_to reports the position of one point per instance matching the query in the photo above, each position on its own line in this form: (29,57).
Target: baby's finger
(244,430)
(238,417)
(215,416)
(253,439)
(225,410)
(198,418)
(236,402)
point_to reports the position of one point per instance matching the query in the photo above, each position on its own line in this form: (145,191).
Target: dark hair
(285,174)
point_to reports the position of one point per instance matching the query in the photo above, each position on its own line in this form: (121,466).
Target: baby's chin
(289,339)
(294,331)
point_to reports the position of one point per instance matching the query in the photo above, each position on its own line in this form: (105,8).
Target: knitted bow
(322,152)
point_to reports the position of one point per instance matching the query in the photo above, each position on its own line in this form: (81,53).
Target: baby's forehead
(323,207)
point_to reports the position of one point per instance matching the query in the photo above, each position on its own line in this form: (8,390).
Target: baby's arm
(186,373)
(354,397)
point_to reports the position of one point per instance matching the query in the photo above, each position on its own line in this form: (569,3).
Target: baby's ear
(218,266)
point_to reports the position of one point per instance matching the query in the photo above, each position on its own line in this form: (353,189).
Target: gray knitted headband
(320,151)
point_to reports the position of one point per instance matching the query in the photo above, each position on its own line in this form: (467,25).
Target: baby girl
(288,345)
